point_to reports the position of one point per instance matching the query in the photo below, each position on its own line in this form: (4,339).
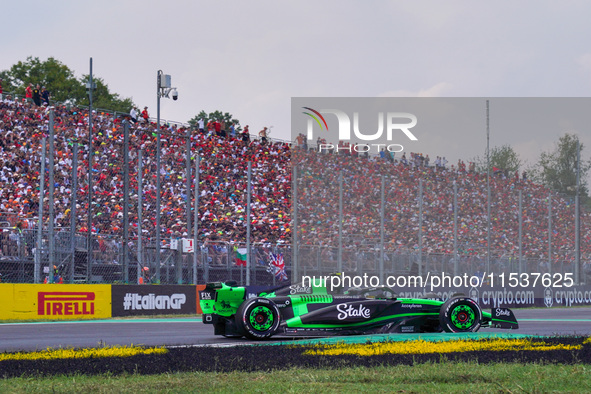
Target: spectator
(263,135)
(37,96)
(29,93)
(145,115)
(218,128)
(45,96)
(133,114)
(246,135)
(223,129)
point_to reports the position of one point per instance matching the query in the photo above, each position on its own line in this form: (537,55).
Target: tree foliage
(215,115)
(61,82)
(502,157)
(102,97)
(558,169)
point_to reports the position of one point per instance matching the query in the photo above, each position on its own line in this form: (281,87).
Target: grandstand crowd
(319,202)
(223,188)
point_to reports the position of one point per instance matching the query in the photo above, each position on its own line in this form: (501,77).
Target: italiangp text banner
(54,302)
(130,300)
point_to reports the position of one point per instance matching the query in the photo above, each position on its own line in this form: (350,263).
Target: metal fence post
(382,224)
(550,232)
(90,159)
(456,262)
(578,217)
(51,196)
(37,273)
(294,228)
(420,227)
(73,211)
(158,181)
(196,248)
(521,270)
(340,251)
(488,196)
(188,183)
(178,262)
(140,272)
(248,197)
(126,201)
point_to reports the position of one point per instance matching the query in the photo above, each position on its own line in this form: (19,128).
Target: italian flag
(240,258)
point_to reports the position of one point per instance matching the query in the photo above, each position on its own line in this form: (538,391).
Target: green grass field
(430,377)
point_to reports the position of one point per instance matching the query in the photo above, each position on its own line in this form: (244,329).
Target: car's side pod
(503,318)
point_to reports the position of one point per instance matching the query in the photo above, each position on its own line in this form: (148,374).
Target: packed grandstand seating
(223,188)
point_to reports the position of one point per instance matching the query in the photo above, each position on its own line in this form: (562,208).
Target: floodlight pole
(162,90)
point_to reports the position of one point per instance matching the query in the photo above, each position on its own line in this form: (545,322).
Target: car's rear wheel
(258,318)
(460,314)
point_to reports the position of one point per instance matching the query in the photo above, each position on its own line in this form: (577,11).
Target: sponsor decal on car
(502,312)
(205,295)
(296,289)
(283,304)
(346,310)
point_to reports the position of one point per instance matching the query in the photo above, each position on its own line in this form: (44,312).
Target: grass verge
(116,361)
(444,376)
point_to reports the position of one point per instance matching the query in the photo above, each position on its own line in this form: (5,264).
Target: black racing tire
(460,314)
(258,318)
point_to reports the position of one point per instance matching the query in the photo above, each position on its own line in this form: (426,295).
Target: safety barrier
(83,302)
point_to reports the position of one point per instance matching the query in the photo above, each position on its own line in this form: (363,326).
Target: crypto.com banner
(517,297)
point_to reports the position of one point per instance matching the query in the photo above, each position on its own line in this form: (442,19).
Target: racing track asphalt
(191,331)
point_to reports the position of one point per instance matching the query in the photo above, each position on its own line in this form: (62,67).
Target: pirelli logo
(65,303)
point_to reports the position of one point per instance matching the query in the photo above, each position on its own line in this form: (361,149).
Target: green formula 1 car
(297,310)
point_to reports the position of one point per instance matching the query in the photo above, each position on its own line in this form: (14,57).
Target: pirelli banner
(54,302)
(131,300)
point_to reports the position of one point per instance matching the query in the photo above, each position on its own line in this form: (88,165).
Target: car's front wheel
(258,318)
(460,314)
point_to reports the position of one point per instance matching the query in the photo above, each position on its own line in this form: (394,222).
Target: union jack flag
(277,267)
